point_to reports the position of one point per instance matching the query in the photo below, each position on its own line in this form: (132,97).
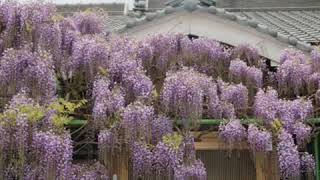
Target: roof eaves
(261,28)
(189,6)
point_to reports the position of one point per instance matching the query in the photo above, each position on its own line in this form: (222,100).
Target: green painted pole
(213,122)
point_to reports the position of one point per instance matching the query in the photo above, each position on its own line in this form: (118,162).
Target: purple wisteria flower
(212,100)
(292,76)
(292,54)
(233,132)
(238,69)
(106,139)
(89,22)
(106,102)
(183,93)
(206,55)
(259,140)
(307,163)
(137,85)
(288,154)
(315,55)
(247,53)
(254,77)
(20,69)
(302,132)
(141,159)
(165,48)
(292,111)
(166,158)
(237,95)
(137,121)
(89,53)
(195,171)
(54,154)
(266,105)
(161,126)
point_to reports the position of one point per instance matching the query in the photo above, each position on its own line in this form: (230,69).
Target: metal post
(147,5)
(125,10)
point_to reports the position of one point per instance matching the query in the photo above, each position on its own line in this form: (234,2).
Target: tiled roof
(301,24)
(115,23)
(266,3)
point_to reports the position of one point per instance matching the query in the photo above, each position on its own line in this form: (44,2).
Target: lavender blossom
(302,132)
(137,119)
(315,60)
(233,132)
(254,77)
(291,54)
(308,163)
(182,94)
(160,127)
(238,69)
(266,105)
(137,85)
(20,69)
(237,95)
(89,54)
(141,160)
(288,154)
(106,102)
(54,154)
(195,171)
(89,22)
(259,140)
(248,54)
(291,112)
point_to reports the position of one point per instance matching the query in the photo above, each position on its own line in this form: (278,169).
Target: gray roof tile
(302,24)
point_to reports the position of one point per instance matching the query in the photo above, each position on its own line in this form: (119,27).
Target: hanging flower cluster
(135,90)
(22,69)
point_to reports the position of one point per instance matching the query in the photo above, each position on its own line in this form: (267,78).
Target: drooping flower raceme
(106,102)
(160,127)
(233,132)
(237,95)
(142,159)
(254,77)
(292,76)
(166,158)
(288,154)
(248,54)
(89,54)
(238,70)
(21,69)
(307,163)
(292,54)
(259,140)
(89,22)
(206,55)
(302,132)
(54,154)
(183,93)
(137,120)
(266,105)
(291,112)
(196,171)
(315,55)
(165,48)
(137,85)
